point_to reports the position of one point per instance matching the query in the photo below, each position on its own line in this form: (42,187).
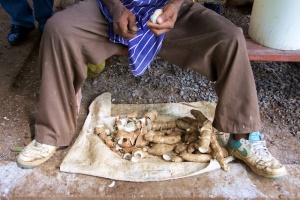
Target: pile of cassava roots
(184,139)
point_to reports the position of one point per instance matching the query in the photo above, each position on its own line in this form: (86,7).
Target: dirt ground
(277,86)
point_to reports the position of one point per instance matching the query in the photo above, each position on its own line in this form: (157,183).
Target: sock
(254,136)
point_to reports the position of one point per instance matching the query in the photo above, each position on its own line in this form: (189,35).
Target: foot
(35,154)
(18,34)
(256,155)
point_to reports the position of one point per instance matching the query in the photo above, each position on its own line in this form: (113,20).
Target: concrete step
(258,52)
(48,182)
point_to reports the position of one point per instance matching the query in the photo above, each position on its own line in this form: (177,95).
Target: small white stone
(112,184)
(166,157)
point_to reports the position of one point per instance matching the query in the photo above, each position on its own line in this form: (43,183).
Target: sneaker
(35,154)
(18,34)
(256,155)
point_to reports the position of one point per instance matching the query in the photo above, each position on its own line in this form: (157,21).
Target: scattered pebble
(112,184)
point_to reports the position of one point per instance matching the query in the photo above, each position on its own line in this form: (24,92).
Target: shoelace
(260,149)
(37,148)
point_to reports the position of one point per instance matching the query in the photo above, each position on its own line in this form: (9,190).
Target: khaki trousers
(201,40)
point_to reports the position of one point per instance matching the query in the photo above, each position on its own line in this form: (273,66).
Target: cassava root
(184,139)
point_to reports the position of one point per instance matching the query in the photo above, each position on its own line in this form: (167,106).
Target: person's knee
(237,34)
(233,35)
(57,25)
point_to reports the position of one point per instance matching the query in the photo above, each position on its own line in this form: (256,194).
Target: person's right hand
(124,23)
(165,21)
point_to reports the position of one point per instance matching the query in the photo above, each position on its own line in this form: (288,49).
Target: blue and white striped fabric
(145,46)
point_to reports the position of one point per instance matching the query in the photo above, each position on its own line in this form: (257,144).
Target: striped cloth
(145,46)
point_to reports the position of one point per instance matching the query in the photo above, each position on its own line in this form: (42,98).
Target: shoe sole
(276,177)
(24,166)
(33,164)
(16,43)
(30,165)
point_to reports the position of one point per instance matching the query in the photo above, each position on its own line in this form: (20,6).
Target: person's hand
(124,23)
(165,22)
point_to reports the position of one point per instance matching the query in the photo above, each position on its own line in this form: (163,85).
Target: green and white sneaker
(256,155)
(35,154)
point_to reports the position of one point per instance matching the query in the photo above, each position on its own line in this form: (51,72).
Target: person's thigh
(193,40)
(84,27)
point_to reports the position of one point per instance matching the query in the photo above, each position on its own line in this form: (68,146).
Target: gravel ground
(278,89)
(277,86)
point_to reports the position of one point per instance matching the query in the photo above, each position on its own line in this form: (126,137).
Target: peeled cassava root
(205,136)
(184,139)
(209,138)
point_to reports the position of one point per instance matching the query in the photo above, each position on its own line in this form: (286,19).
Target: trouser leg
(20,12)
(71,39)
(211,45)
(43,10)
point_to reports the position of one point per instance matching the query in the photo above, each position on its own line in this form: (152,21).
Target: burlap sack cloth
(89,155)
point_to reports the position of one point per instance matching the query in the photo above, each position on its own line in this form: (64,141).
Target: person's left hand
(165,22)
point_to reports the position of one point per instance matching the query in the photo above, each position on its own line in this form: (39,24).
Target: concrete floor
(48,182)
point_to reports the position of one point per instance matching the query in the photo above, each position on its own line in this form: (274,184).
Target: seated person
(185,34)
